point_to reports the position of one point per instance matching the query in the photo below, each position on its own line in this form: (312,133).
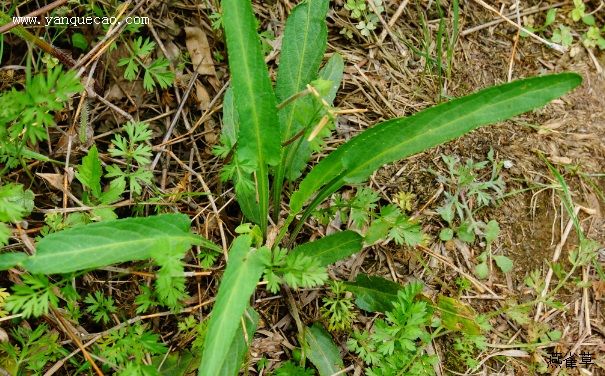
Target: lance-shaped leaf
(239,347)
(299,152)
(106,243)
(259,137)
(398,138)
(243,272)
(332,248)
(303,46)
(322,351)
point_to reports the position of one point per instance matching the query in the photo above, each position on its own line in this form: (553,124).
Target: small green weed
(27,114)
(132,149)
(561,22)
(362,12)
(156,72)
(338,309)
(35,348)
(395,345)
(466,194)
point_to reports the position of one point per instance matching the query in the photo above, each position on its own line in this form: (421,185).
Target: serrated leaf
(374,294)
(504,263)
(243,272)
(458,316)
(331,248)
(322,351)
(90,171)
(106,243)
(399,138)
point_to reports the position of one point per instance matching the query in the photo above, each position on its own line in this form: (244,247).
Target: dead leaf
(199,50)
(55,180)
(560,160)
(203,97)
(550,126)
(209,133)
(599,289)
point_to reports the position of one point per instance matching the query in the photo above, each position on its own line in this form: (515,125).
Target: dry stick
(481,287)
(113,107)
(384,24)
(35,13)
(585,300)
(210,198)
(555,258)
(512,55)
(393,19)
(504,18)
(103,44)
(388,104)
(173,123)
(77,341)
(552,45)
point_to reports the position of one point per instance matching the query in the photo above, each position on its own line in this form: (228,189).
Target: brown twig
(36,13)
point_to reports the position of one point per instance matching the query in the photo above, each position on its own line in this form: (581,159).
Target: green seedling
(466,194)
(367,19)
(482,270)
(156,72)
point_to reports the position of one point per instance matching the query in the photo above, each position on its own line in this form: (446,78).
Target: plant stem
(20,31)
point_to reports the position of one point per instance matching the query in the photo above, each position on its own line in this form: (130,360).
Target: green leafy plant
(290,369)
(27,114)
(338,310)
(100,306)
(296,116)
(395,345)
(360,10)
(89,173)
(492,230)
(592,37)
(35,349)
(467,194)
(15,203)
(127,346)
(391,223)
(155,73)
(132,149)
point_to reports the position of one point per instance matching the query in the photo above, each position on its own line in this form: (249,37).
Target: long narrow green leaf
(239,347)
(399,138)
(322,351)
(105,243)
(243,271)
(303,46)
(259,138)
(299,153)
(332,248)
